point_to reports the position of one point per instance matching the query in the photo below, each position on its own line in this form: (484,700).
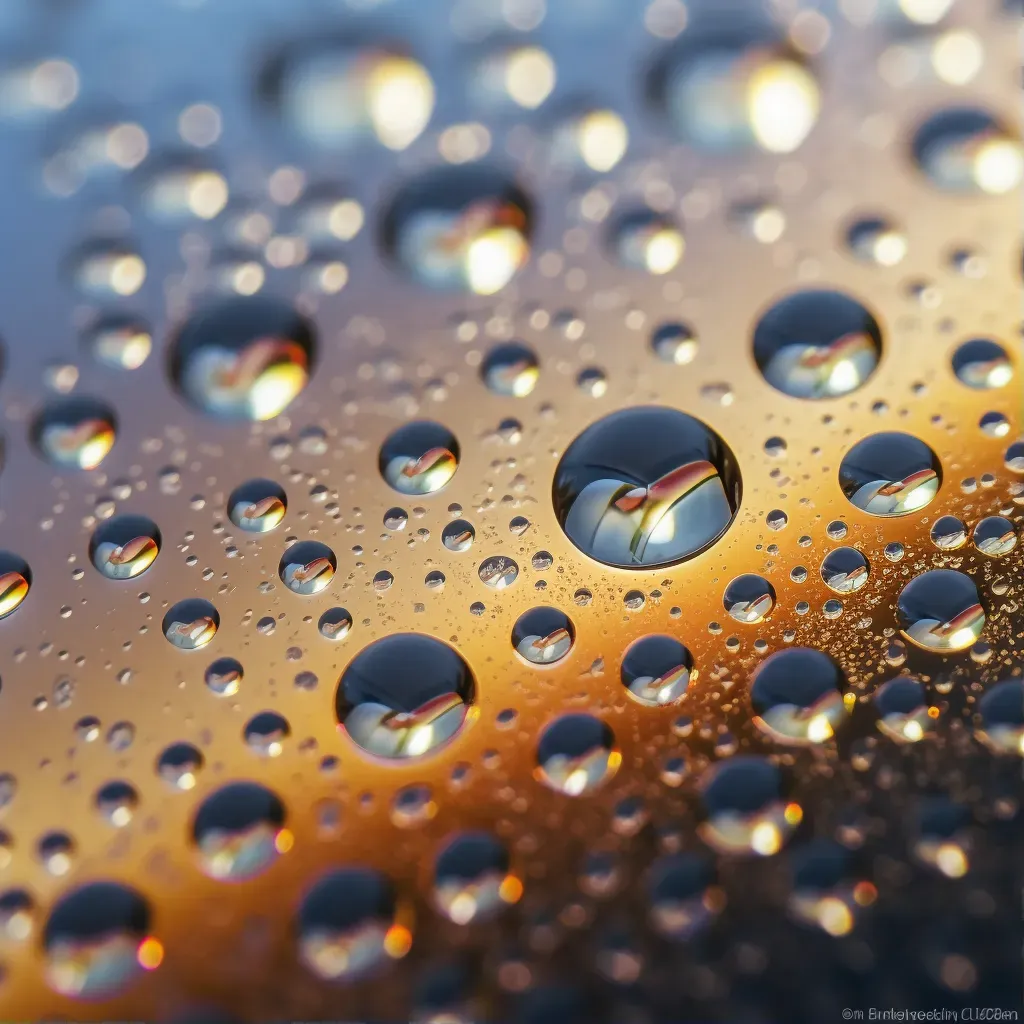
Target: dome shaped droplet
(472,880)
(797,696)
(97,941)
(191,624)
(675,343)
(844,570)
(982,364)
(995,536)
(744,808)
(543,636)
(948,533)
(890,474)
(257,506)
(823,892)
(511,370)
(224,676)
(458,535)
(75,433)
(124,547)
(576,753)
(335,624)
(646,487)
(460,229)
(1001,714)
(749,598)
(243,359)
(733,90)
(656,670)
(15,582)
(595,140)
(966,150)
(876,240)
(940,610)
(817,344)
(419,458)
(179,765)
(405,696)
(119,343)
(238,831)
(347,926)
(903,711)
(648,241)
(307,567)
(498,572)
(682,894)
(265,733)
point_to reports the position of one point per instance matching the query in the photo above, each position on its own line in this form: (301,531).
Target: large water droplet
(179,765)
(243,359)
(995,536)
(948,533)
(817,344)
(962,149)
(844,570)
(657,670)
(307,567)
(405,695)
(191,624)
(238,831)
(796,696)
(890,474)
(472,881)
(749,598)
(543,636)
(124,547)
(419,457)
(940,610)
(646,487)
(75,433)
(576,753)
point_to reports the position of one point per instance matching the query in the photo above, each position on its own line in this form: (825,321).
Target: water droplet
(75,433)
(657,670)
(982,364)
(1014,457)
(419,458)
(257,506)
(995,536)
(749,598)
(498,572)
(776,519)
(543,636)
(683,897)
(15,582)
(1001,713)
(736,89)
(347,926)
(124,547)
(97,941)
(775,447)
(903,712)
(940,610)
(596,139)
(948,533)
(647,241)
(460,229)
(962,149)
(844,570)
(675,343)
(823,894)
(117,802)
(223,677)
(307,567)
(744,808)
(576,753)
(890,474)
(104,271)
(472,881)
(337,95)
(266,732)
(876,240)
(56,852)
(817,344)
(943,836)
(17,913)
(177,191)
(894,551)
(458,535)
(244,358)
(392,711)
(994,424)
(646,487)
(524,74)
(121,343)
(238,831)
(511,370)
(191,624)
(335,624)
(796,696)
(592,381)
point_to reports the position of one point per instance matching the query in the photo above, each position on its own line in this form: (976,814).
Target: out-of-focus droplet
(511,370)
(796,696)
(890,474)
(597,140)
(646,487)
(877,240)
(963,149)
(817,344)
(419,458)
(223,677)
(1001,718)
(117,802)
(749,598)
(943,838)
(543,636)
(243,358)
(657,670)
(844,570)
(903,711)
(307,567)
(348,926)
(191,624)
(674,343)
(995,536)
(179,766)
(940,610)
(982,364)
(108,271)
(97,941)
(405,695)
(56,852)
(124,547)
(682,895)
(823,893)
(523,74)
(265,733)
(472,881)
(461,229)
(994,424)
(576,753)
(336,96)
(257,506)
(121,343)
(239,831)
(648,241)
(177,192)
(75,433)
